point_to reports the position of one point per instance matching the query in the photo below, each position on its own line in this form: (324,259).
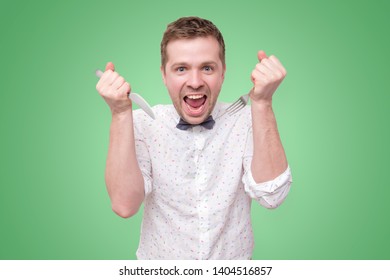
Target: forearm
(269,159)
(124,180)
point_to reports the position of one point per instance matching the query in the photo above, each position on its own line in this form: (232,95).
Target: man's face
(193,75)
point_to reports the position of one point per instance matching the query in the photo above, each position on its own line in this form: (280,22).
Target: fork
(238,104)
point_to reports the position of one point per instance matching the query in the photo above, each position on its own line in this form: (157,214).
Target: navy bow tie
(208,123)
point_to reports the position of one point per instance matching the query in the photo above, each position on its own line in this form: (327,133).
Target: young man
(195,168)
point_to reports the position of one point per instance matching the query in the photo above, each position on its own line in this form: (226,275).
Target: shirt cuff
(269,194)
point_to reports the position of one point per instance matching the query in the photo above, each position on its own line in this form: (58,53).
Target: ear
(162,69)
(223,71)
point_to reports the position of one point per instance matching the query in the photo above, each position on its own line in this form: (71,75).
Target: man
(197,177)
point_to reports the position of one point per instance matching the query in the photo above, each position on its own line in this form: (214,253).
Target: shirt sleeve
(144,164)
(269,194)
(142,153)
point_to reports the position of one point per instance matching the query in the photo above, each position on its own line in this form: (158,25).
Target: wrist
(259,100)
(119,116)
(261,105)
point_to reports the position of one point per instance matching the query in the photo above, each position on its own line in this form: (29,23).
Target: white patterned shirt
(199,186)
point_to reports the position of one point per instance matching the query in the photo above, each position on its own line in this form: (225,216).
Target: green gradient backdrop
(332,109)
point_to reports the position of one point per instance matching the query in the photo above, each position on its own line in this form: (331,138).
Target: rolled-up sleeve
(144,164)
(142,153)
(269,194)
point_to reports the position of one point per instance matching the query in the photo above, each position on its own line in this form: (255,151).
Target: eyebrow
(179,64)
(210,63)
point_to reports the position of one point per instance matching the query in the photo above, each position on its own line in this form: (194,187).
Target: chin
(195,120)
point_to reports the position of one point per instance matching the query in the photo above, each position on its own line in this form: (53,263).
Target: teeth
(196,96)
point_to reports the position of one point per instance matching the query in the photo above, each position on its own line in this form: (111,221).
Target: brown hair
(189,28)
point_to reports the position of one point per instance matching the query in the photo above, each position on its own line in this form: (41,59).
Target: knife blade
(136,98)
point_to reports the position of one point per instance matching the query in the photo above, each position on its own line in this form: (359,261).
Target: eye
(208,68)
(180,69)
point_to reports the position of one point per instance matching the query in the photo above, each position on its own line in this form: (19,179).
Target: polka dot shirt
(199,186)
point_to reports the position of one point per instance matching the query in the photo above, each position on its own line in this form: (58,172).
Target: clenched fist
(115,90)
(266,77)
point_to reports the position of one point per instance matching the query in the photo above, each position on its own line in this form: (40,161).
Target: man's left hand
(266,77)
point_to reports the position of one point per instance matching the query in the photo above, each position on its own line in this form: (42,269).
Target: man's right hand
(115,90)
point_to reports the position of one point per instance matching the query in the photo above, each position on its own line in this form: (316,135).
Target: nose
(195,80)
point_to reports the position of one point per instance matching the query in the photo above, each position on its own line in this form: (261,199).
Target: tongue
(195,103)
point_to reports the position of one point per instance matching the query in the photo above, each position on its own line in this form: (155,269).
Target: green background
(332,111)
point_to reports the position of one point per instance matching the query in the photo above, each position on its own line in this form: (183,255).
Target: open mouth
(195,103)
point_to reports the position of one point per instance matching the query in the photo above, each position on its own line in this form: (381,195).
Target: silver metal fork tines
(238,105)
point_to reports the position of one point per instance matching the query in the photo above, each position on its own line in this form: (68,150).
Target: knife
(136,98)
